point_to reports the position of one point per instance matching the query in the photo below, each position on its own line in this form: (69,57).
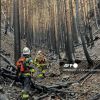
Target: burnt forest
(60,39)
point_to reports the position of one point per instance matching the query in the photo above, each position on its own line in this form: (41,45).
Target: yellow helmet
(39,52)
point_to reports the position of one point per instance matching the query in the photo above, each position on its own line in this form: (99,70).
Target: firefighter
(40,62)
(25,70)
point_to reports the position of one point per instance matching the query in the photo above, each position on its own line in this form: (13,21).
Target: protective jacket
(41,64)
(24,65)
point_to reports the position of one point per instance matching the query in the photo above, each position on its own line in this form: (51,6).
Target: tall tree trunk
(56,5)
(99,7)
(26,23)
(21,18)
(91,36)
(82,29)
(69,32)
(95,14)
(29,26)
(6,27)
(85,49)
(17,46)
(11,23)
(77,14)
(7,17)
(83,21)
(53,38)
(74,25)
(0,31)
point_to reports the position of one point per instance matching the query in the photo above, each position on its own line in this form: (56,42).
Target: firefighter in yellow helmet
(40,62)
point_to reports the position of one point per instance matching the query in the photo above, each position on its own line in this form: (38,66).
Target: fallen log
(92,71)
(8,71)
(64,85)
(47,89)
(6,75)
(7,61)
(43,96)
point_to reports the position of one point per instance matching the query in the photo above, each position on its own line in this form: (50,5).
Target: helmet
(26,51)
(39,52)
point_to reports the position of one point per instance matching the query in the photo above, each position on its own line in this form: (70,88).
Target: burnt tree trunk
(17,46)
(0,32)
(74,25)
(91,36)
(7,17)
(53,37)
(69,32)
(25,2)
(85,49)
(22,18)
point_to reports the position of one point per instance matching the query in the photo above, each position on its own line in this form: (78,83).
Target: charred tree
(74,25)
(26,21)
(11,19)
(91,35)
(29,34)
(49,39)
(95,14)
(53,37)
(85,49)
(7,16)
(17,46)
(6,26)
(0,32)
(69,49)
(82,31)
(21,3)
(83,21)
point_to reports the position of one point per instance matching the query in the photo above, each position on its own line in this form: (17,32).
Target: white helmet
(26,51)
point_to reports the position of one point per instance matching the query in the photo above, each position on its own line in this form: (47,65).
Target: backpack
(23,64)
(20,64)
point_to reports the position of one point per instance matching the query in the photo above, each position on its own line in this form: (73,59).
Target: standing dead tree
(22,18)
(26,22)
(17,46)
(82,29)
(74,23)
(0,33)
(69,48)
(7,16)
(53,37)
(95,13)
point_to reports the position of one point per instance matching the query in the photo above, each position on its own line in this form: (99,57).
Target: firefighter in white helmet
(25,69)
